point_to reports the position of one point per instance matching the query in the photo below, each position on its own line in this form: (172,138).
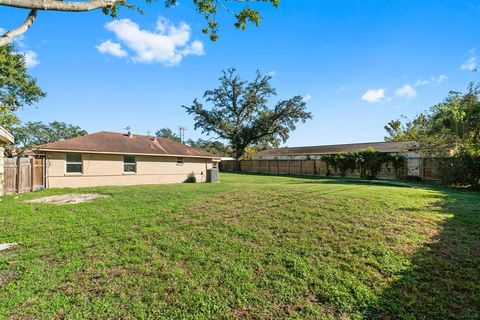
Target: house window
(74,163)
(179,161)
(129,164)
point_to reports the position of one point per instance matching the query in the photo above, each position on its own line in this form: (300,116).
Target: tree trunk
(238,157)
(238,166)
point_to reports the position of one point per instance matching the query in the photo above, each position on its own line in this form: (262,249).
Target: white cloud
(113,48)
(440,79)
(167,44)
(407,91)
(196,48)
(374,95)
(421,83)
(272,73)
(2,31)
(432,80)
(307,97)
(31,58)
(470,64)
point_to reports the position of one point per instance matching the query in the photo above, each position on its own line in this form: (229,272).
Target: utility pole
(182,133)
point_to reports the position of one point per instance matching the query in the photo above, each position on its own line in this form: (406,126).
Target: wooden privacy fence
(23,174)
(423,168)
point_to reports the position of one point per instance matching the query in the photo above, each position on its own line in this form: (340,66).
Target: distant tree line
(38,133)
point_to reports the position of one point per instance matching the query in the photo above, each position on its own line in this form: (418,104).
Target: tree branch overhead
(7,37)
(55,5)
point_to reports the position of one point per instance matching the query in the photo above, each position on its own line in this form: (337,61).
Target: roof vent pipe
(129,134)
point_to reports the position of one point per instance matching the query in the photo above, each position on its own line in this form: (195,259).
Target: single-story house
(5,138)
(407,148)
(111,158)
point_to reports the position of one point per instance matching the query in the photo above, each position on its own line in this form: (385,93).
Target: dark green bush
(368,162)
(342,162)
(191,178)
(463,169)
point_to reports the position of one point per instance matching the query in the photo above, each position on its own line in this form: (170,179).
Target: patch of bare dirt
(69,198)
(8,246)
(7,276)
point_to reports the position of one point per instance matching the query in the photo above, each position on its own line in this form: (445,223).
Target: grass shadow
(312,179)
(443,281)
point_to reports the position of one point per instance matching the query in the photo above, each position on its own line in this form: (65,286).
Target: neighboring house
(5,138)
(407,148)
(111,158)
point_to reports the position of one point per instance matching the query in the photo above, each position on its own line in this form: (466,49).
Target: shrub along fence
(423,168)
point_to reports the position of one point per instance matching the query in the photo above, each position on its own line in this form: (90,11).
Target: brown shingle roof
(390,147)
(114,142)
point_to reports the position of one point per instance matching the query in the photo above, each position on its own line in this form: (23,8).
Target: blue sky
(359,63)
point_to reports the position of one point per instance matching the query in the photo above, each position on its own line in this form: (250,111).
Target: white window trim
(130,163)
(67,163)
(180,161)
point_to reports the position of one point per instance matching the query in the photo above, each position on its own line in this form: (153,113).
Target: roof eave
(5,136)
(127,153)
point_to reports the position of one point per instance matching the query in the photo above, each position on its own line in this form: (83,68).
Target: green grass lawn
(256,247)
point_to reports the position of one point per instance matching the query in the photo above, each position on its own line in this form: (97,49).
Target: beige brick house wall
(107,169)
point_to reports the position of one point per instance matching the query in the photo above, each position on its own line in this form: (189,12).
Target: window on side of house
(129,164)
(179,161)
(74,163)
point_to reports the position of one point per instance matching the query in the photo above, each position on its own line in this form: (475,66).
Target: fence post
(19,173)
(32,174)
(422,166)
(44,172)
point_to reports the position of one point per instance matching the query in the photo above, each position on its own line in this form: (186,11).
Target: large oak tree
(17,87)
(242,12)
(240,113)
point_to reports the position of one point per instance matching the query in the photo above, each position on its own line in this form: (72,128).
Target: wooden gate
(23,174)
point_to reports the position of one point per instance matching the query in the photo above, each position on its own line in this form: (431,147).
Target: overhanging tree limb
(207,8)
(7,37)
(55,5)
